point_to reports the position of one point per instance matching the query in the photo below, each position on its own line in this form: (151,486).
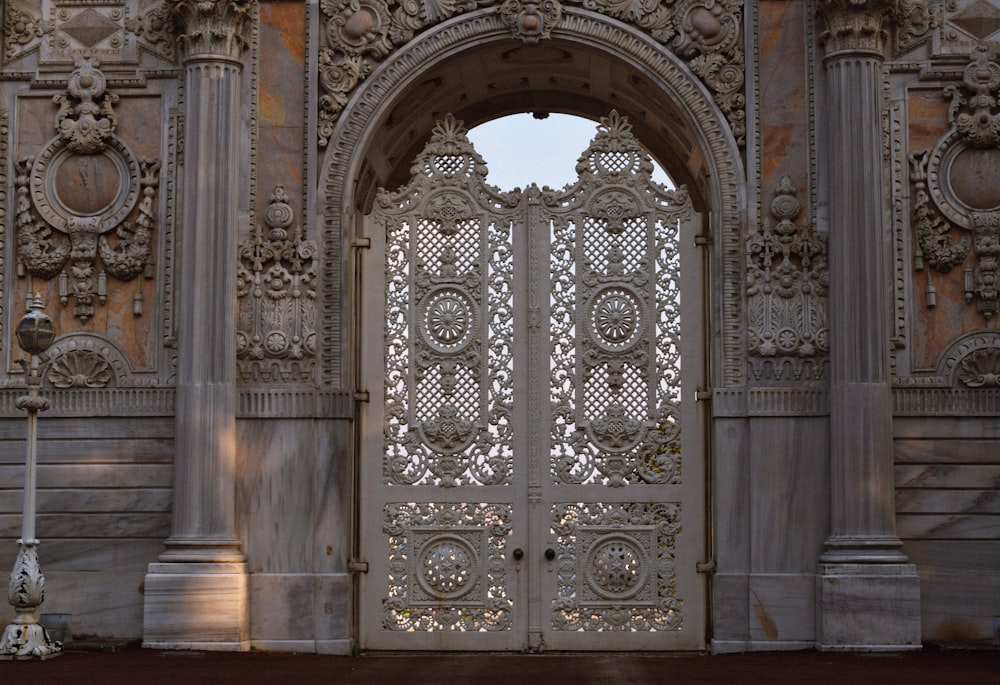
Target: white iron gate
(531,459)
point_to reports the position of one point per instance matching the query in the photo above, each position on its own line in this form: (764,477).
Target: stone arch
(683,128)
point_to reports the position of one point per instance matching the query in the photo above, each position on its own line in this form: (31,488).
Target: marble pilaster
(868,596)
(197,593)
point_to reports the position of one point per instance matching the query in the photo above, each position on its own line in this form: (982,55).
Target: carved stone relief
(360,33)
(74,201)
(276,291)
(786,294)
(956,207)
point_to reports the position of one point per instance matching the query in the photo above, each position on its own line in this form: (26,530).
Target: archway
(470,67)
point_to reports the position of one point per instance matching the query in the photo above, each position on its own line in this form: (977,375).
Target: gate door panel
(531,466)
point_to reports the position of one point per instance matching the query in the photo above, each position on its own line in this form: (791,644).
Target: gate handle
(550,554)
(518,554)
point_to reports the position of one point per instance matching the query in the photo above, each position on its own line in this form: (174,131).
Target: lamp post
(25,637)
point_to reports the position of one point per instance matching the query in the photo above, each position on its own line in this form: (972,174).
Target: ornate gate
(531,460)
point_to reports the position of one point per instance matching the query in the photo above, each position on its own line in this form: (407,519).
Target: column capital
(854,26)
(212,28)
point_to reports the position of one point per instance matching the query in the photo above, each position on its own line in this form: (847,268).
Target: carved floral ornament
(212,28)
(360,33)
(787,281)
(276,294)
(956,207)
(854,25)
(74,199)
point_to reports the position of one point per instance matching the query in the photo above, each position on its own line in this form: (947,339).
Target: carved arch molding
(358,125)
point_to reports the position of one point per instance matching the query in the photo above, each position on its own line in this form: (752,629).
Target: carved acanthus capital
(854,26)
(212,28)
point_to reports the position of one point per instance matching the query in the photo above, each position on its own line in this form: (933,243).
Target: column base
(202,606)
(867,607)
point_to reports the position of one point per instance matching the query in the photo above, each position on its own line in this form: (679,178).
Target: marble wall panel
(102,603)
(782,607)
(731,495)
(784,86)
(275,496)
(790,500)
(281,103)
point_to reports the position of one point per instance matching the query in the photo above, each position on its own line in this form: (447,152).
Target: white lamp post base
(29,641)
(25,637)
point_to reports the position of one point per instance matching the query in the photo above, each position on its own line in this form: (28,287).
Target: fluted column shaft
(204,479)
(862,499)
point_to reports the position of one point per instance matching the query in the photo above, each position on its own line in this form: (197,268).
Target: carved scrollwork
(359,33)
(786,293)
(276,294)
(956,210)
(22,30)
(74,199)
(157,30)
(914,21)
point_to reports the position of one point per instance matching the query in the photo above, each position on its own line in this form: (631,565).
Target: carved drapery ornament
(212,28)
(956,207)
(276,291)
(854,26)
(360,33)
(74,198)
(786,294)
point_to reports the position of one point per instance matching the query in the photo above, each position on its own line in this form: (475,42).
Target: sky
(519,149)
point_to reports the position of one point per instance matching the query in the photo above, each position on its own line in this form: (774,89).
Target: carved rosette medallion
(361,33)
(616,567)
(447,567)
(74,200)
(956,207)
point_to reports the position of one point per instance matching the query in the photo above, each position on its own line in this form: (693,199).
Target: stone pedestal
(872,607)
(197,606)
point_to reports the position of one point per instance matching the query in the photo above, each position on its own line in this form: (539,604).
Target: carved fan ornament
(956,209)
(74,199)
(360,33)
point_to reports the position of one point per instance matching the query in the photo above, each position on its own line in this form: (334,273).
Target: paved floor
(135,666)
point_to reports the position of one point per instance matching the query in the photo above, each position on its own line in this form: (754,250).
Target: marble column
(868,595)
(196,594)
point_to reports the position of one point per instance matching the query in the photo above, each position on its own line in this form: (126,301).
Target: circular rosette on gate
(616,320)
(448,319)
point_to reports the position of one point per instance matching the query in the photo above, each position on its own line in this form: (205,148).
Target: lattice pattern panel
(449,327)
(616,567)
(615,318)
(447,567)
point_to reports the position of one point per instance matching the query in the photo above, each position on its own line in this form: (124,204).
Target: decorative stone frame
(375,97)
